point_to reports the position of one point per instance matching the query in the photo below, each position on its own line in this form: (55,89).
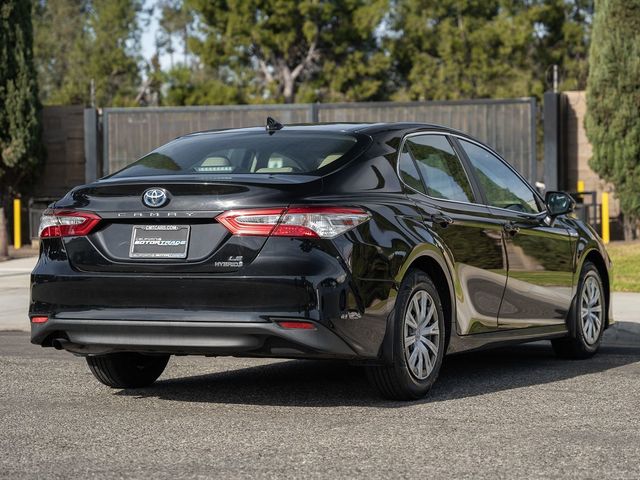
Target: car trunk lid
(182,235)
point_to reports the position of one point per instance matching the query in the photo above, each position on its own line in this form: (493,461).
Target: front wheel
(589,317)
(127,370)
(419,341)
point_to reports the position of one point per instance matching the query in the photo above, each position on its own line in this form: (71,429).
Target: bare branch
(310,57)
(265,70)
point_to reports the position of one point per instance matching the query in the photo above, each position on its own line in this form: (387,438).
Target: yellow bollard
(580,186)
(17,224)
(605,217)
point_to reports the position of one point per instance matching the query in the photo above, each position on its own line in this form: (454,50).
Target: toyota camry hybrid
(388,245)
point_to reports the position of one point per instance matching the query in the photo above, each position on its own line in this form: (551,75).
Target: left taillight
(318,222)
(66,223)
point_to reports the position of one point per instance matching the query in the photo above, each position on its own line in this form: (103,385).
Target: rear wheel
(419,341)
(589,317)
(127,370)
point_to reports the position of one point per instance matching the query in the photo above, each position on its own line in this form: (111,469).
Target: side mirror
(559,203)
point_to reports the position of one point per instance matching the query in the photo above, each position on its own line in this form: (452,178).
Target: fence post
(551,138)
(314,113)
(105,141)
(90,145)
(533,169)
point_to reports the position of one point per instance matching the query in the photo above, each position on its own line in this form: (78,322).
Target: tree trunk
(288,83)
(4,238)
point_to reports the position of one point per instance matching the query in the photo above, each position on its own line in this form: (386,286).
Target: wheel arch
(432,267)
(431,262)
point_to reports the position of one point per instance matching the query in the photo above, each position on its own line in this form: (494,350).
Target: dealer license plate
(159,241)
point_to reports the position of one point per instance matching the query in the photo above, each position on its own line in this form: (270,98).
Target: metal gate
(508,126)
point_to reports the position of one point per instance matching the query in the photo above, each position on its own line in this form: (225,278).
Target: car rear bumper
(213,313)
(266,338)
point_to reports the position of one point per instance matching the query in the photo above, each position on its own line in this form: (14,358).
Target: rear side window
(292,152)
(409,172)
(441,170)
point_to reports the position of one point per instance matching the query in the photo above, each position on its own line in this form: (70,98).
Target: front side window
(441,170)
(502,187)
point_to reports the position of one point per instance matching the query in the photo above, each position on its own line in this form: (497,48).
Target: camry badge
(155,197)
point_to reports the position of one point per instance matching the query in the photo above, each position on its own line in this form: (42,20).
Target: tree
(187,86)
(613,99)
(454,49)
(562,35)
(270,48)
(175,20)
(320,50)
(20,149)
(59,33)
(113,59)
(83,41)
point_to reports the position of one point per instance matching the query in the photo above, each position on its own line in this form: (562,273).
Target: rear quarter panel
(380,251)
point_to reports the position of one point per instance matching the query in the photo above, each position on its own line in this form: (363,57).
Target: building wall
(578,151)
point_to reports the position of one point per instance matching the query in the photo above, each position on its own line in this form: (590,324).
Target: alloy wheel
(421,334)
(591,309)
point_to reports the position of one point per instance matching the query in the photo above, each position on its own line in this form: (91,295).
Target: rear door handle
(443,220)
(511,228)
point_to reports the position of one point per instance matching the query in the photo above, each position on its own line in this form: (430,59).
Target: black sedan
(389,245)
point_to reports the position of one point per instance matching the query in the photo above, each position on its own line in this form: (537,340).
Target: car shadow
(307,383)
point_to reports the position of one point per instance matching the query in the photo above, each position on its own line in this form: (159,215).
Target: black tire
(397,381)
(127,370)
(579,346)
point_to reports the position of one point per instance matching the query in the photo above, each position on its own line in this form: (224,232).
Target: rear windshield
(246,153)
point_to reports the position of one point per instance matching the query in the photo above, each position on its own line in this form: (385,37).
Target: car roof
(341,127)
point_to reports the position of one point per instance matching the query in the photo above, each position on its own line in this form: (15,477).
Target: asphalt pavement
(509,413)
(515,412)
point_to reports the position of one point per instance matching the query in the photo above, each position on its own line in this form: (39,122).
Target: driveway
(508,413)
(515,412)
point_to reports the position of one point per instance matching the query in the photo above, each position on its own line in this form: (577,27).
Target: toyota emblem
(155,197)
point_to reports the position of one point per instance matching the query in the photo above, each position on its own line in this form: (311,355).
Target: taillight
(318,222)
(251,222)
(66,223)
(323,222)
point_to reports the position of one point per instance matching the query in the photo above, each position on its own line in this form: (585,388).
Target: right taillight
(318,222)
(66,223)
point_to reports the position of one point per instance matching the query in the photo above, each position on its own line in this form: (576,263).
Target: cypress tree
(20,145)
(613,102)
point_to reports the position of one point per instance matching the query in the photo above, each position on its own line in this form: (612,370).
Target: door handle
(511,228)
(443,220)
